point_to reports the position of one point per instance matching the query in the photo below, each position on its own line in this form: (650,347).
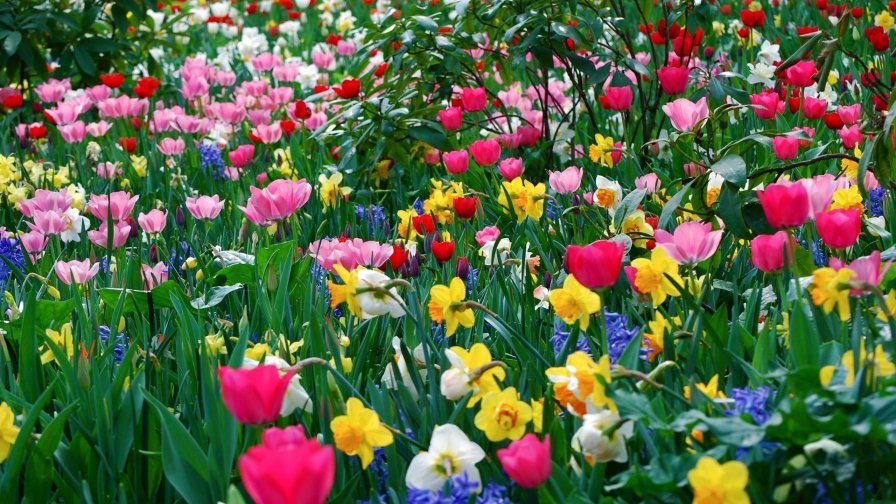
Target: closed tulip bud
(527,460)
(179,217)
(254,396)
(462,268)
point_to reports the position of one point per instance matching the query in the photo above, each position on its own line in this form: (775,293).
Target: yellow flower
(406,229)
(636,226)
(884,20)
(848,199)
(62,340)
(345,292)
(654,276)
(879,361)
(330,189)
(602,150)
(486,383)
(715,483)
(574,302)
(8,430)
(441,200)
(582,382)
(258,351)
(710,390)
(359,431)
(503,415)
(537,415)
(139,164)
(526,199)
(446,304)
(830,289)
(655,340)
(850,167)
(214,344)
(891,306)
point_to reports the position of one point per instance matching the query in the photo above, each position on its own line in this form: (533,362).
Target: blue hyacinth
(561,336)
(460,490)
(12,257)
(875,203)
(619,335)
(751,402)
(210,159)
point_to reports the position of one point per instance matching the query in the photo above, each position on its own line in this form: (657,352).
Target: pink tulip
(268,134)
(766,104)
(649,182)
(527,460)
(34,242)
(171,146)
(276,202)
(456,162)
(850,114)
(785,204)
(528,135)
(152,223)
(98,129)
(78,271)
(66,112)
(154,275)
(74,132)
(868,270)
(254,396)
(120,233)
(53,90)
(851,136)
(673,79)
(619,98)
(566,181)
(487,234)
(814,108)
(691,243)
(46,201)
(486,152)
(685,114)
(820,189)
(473,99)
(287,468)
(767,251)
(451,118)
(840,228)
(511,168)
(786,147)
(49,222)
(205,207)
(117,205)
(596,266)
(241,156)
(349,253)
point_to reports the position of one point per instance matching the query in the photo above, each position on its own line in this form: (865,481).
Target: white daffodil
(74,225)
(761,73)
(592,440)
(296,397)
(495,256)
(389,379)
(608,194)
(451,453)
(374,302)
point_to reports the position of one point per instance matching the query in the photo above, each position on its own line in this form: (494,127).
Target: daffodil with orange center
(580,386)
(359,431)
(574,302)
(446,305)
(656,277)
(503,415)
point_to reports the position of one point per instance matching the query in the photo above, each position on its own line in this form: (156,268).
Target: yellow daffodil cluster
(523,197)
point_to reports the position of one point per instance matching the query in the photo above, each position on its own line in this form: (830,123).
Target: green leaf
(426,23)
(186,466)
(431,136)
(732,168)
(804,341)
(11,43)
(214,296)
(673,204)
(85,61)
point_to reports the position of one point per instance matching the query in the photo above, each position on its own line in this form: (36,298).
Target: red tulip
(113,80)
(465,207)
(619,98)
(443,250)
(350,88)
(767,251)
(424,224)
(527,460)
(288,468)
(595,266)
(839,229)
(785,204)
(254,396)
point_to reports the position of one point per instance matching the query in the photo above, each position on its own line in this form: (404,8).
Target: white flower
(450,453)
(608,194)
(296,397)
(308,76)
(493,256)
(76,224)
(455,382)
(374,303)
(761,73)
(598,447)
(769,53)
(389,376)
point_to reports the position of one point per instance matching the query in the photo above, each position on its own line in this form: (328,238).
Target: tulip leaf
(732,168)
(214,296)
(673,204)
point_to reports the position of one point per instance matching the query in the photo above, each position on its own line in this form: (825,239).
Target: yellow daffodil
(636,226)
(503,416)
(345,292)
(446,304)
(406,229)
(62,340)
(885,20)
(830,289)
(851,168)
(601,151)
(526,198)
(654,277)
(331,190)
(465,375)
(8,431)
(879,361)
(715,483)
(258,351)
(581,383)
(574,302)
(847,199)
(441,200)
(655,340)
(710,390)
(359,431)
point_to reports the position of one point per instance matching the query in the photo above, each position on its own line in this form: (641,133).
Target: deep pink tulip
(673,79)
(596,265)
(785,204)
(767,251)
(473,99)
(241,156)
(527,460)
(619,98)
(451,118)
(288,468)
(486,152)
(851,136)
(840,228)
(767,104)
(511,168)
(456,162)
(691,243)
(786,147)
(814,108)
(801,74)
(254,396)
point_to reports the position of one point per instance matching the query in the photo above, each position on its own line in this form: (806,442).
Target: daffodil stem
(481,370)
(401,434)
(474,304)
(308,362)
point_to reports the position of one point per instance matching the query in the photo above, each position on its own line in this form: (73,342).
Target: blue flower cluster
(561,336)
(211,159)
(10,257)
(875,203)
(460,491)
(752,402)
(374,216)
(619,335)
(120,342)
